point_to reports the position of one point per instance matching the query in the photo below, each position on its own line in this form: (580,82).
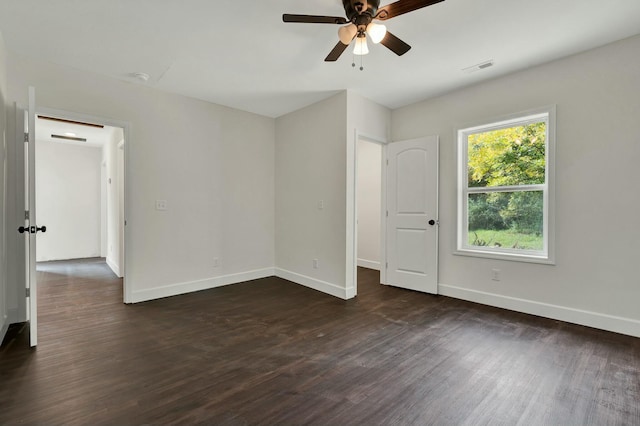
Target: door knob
(32,229)
(432,222)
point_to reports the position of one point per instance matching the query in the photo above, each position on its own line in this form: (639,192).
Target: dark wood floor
(272,352)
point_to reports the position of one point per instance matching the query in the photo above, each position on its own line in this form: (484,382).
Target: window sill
(511,257)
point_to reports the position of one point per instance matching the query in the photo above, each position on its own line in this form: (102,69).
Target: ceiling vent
(69,138)
(478,67)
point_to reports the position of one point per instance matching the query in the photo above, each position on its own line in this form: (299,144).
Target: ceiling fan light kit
(360,16)
(361,47)
(348,33)
(376,32)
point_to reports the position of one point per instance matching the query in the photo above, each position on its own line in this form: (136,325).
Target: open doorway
(369,236)
(369,208)
(80,192)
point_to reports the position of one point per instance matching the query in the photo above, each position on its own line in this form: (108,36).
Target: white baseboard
(620,325)
(190,287)
(322,286)
(114,267)
(370,264)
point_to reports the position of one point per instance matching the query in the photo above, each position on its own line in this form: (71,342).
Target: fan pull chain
(353,64)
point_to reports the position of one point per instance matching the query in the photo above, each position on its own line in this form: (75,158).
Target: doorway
(369,204)
(404,185)
(365,225)
(81,187)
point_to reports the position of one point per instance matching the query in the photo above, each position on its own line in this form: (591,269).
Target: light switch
(161,205)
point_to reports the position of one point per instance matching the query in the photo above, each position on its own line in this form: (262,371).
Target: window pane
(507,157)
(509,220)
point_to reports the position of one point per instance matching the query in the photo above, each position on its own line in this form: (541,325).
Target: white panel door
(27,120)
(412,208)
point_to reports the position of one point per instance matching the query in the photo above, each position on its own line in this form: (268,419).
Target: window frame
(547,254)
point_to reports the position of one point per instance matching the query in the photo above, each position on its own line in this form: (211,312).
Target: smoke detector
(142,76)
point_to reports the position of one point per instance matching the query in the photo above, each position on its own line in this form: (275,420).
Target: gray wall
(595,280)
(250,186)
(4,309)
(214,166)
(68,200)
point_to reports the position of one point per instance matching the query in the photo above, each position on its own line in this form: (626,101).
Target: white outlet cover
(161,205)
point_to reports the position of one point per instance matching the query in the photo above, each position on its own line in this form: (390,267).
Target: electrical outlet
(161,205)
(495,274)
(316,264)
(321,205)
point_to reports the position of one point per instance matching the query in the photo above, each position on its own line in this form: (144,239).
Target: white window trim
(547,255)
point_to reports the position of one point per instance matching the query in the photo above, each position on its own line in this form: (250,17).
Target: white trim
(114,267)
(315,284)
(612,323)
(193,286)
(547,254)
(518,257)
(383,217)
(370,264)
(351,231)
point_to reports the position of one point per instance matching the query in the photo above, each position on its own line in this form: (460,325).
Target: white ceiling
(241,54)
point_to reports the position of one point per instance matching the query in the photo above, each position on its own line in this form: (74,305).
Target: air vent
(478,67)
(69,138)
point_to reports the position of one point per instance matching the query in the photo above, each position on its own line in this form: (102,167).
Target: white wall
(315,162)
(4,307)
(373,121)
(310,168)
(68,200)
(369,194)
(120,160)
(103,207)
(214,166)
(595,280)
(114,223)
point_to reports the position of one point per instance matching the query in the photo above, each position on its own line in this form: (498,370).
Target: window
(505,188)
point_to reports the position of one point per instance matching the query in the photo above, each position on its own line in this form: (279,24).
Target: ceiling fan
(359,24)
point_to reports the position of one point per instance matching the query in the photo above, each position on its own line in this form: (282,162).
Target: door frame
(352,211)
(126,127)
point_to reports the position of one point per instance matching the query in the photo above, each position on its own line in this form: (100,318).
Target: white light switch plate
(161,205)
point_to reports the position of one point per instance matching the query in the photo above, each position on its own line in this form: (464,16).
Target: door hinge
(28,292)
(387,162)
(387,265)
(26,137)
(387,213)
(26,215)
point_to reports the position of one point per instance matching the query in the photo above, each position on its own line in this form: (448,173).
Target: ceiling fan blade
(401,7)
(396,45)
(336,52)
(314,19)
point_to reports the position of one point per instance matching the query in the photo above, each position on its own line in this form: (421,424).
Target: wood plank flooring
(269,352)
